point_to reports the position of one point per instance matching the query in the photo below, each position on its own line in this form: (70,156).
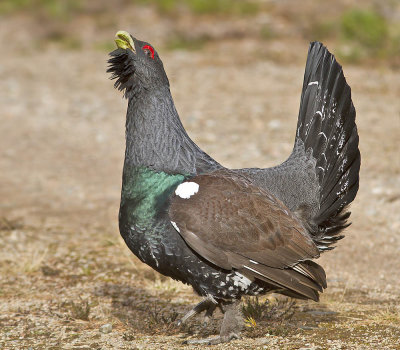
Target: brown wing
(234,224)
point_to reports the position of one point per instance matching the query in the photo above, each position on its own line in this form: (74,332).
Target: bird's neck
(159,156)
(153,163)
(156,138)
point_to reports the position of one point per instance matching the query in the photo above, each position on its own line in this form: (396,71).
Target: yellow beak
(124,40)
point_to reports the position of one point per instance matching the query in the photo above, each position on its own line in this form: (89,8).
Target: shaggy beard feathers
(122,69)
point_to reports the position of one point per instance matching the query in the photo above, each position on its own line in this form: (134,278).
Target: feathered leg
(209,304)
(231,325)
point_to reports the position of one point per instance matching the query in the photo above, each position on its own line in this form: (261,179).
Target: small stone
(106,328)
(49,271)
(274,124)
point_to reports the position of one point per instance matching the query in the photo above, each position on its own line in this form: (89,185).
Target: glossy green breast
(145,193)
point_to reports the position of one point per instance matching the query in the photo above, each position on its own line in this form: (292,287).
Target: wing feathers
(213,254)
(235,225)
(286,278)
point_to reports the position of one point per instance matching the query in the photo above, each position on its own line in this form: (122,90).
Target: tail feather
(342,184)
(305,279)
(326,126)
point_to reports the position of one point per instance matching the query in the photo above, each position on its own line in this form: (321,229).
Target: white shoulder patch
(187,189)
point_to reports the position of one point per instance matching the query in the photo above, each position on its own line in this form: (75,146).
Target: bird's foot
(209,313)
(208,303)
(213,341)
(231,326)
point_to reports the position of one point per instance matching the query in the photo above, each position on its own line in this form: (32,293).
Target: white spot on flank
(313,83)
(175,226)
(241,281)
(187,189)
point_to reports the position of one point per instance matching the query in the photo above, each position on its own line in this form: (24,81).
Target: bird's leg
(209,313)
(231,326)
(208,303)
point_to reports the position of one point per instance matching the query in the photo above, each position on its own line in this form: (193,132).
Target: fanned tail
(326,126)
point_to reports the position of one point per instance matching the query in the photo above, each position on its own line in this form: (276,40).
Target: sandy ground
(64,270)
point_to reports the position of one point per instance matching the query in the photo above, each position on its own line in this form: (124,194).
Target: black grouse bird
(234,232)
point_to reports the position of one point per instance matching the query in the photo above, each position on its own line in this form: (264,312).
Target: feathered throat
(121,67)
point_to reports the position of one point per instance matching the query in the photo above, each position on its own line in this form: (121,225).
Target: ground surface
(64,270)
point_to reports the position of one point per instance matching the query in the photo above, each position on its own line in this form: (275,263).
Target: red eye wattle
(151,50)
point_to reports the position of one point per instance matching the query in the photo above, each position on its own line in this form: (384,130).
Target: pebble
(274,124)
(106,328)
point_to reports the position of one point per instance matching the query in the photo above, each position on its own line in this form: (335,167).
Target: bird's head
(135,65)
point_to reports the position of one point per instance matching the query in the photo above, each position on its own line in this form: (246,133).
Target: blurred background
(359,33)
(236,70)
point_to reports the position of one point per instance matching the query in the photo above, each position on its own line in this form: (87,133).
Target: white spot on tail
(175,226)
(323,134)
(187,189)
(313,83)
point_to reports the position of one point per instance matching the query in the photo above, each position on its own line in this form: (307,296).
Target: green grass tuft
(365,27)
(10,6)
(253,309)
(57,9)
(80,310)
(204,7)
(228,7)
(180,42)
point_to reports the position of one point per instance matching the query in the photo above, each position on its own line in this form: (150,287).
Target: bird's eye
(148,50)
